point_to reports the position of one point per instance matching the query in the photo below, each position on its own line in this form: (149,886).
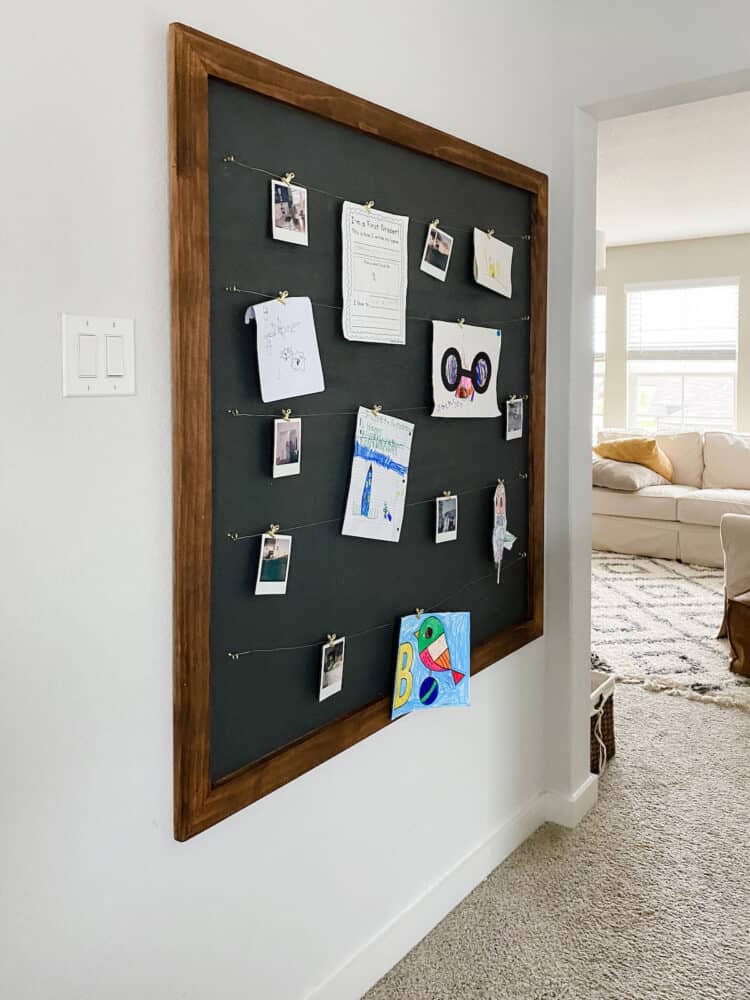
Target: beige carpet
(648,899)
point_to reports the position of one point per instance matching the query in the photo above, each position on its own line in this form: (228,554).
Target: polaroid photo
(289,212)
(273,565)
(331,668)
(437,253)
(287,447)
(446,518)
(513,419)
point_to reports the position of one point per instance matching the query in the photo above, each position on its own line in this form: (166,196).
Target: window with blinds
(682,356)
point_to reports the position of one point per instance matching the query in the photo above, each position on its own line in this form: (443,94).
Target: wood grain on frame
(193,57)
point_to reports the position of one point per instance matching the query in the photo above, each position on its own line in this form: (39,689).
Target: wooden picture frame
(193,58)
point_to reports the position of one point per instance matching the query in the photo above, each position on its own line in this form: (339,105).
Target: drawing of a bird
(433,647)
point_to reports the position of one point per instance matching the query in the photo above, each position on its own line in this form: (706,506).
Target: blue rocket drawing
(366,494)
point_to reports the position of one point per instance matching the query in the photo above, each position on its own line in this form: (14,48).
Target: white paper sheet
(288,356)
(493,262)
(380,469)
(465,363)
(374,269)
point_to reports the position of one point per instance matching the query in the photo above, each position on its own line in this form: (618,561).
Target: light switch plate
(98,355)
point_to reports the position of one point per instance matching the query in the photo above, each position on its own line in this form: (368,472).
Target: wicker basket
(602,719)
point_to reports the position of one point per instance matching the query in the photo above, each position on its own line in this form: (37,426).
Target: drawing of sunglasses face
(465,382)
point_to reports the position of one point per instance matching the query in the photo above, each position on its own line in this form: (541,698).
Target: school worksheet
(374,274)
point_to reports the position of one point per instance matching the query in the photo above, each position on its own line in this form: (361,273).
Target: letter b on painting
(402,691)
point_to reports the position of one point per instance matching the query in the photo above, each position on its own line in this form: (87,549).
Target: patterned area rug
(654,622)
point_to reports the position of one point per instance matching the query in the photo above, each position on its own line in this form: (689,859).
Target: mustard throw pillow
(641,451)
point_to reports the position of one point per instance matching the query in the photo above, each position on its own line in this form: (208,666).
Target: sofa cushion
(627,476)
(709,506)
(685,452)
(727,458)
(643,451)
(656,502)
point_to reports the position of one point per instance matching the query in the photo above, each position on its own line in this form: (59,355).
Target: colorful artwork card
(331,668)
(380,469)
(433,662)
(465,363)
(374,272)
(499,526)
(493,262)
(288,356)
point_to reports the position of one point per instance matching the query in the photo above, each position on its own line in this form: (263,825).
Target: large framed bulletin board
(247,715)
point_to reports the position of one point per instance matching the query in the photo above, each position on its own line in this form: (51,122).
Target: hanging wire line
(332,413)
(231,158)
(233,536)
(348,413)
(268,296)
(378,628)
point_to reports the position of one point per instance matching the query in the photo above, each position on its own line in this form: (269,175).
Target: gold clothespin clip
(288,178)
(420,612)
(272,529)
(512,398)
(447,493)
(331,638)
(369,205)
(435,222)
(286,414)
(501,482)
(490,233)
(282,296)
(461,321)
(377,408)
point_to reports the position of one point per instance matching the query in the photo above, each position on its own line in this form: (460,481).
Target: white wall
(677,260)
(102,902)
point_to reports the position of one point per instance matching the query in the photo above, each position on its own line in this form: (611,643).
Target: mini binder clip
(331,638)
(286,414)
(376,409)
(272,529)
(282,296)
(288,178)
(369,205)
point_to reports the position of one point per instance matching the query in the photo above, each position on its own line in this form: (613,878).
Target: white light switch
(115,357)
(86,355)
(98,356)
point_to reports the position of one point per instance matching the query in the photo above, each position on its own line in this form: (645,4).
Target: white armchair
(735,541)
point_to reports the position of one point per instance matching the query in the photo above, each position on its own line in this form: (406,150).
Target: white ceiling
(676,173)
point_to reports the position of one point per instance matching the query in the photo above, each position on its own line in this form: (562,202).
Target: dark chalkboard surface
(246,713)
(340,584)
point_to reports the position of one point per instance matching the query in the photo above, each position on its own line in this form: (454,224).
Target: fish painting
(433,648)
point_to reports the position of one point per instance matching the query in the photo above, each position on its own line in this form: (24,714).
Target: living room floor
(655,621)
(649,897)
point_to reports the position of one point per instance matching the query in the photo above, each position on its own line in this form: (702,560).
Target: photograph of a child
(446,519)
(437,253)
(273,564)
(289,212)
(513,419)
(331,669)
(287,447)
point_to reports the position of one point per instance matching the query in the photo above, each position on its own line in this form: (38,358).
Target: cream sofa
(680,520)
